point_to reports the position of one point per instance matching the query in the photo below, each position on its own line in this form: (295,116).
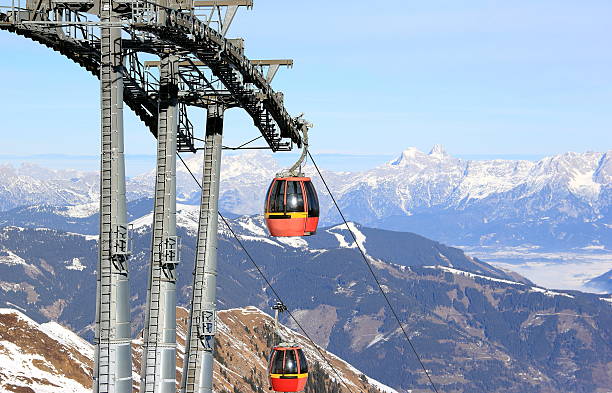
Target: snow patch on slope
(342,238)
(546,292)
(67,338)
(381,386)
(76,264)
(472,275)
(295,242)
(80,211)
(11,259)
(549,292)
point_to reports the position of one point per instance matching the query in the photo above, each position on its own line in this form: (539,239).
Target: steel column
(113,359)
(158,372)
(199,346)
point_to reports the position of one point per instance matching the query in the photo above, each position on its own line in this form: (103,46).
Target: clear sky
(487,78)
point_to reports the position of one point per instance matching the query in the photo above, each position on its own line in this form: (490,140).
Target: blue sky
(483,78)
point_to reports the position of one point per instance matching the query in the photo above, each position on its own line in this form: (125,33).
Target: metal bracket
(121,240)
(170,250)
(207,327)
(273,66)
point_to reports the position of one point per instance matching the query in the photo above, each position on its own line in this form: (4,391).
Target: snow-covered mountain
(42,358)
(477,327)
(49,358)
(31,184)
(560,201)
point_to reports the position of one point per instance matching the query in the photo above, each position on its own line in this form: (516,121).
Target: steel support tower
(159,345)
(200,341)
(198,67)
(113,359)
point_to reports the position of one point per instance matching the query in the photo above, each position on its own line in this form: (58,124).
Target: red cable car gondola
(288,368)
(292,207)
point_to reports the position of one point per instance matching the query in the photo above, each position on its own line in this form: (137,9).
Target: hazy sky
(495,78)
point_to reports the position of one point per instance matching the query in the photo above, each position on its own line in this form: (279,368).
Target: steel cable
(270,284)
(369,265)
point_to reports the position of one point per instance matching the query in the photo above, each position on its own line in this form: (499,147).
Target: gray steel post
(159,351)
(113,357)
(199,346)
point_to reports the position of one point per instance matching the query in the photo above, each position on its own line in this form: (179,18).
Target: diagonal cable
(374,275)
(261,273)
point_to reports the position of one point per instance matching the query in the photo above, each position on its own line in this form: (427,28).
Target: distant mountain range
(477,328)
(559,202)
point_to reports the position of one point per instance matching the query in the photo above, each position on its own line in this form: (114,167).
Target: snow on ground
(582,184)
(67,338)
(473,275)
(25,368)
(259,239)
(342,239)
(75,264)
(142,222)
(10,259)
(80,211)
(549,293)
(22,368)
(187,216)
(295,242)
(381,386)
(252,227)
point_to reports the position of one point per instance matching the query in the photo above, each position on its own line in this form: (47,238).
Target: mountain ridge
(477,328)
(558,202)
(42,358)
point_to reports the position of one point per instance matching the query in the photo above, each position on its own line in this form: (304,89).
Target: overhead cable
(261,273)
(369,265)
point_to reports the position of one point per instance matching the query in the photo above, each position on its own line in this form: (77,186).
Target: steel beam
(222,3)
(197,63)
(113,359)
(158,373)
(200,341)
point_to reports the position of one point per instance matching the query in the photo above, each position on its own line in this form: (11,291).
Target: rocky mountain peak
(413,155)
(438,151)
(407,156)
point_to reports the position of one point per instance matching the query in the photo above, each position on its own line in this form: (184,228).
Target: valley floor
(556,270)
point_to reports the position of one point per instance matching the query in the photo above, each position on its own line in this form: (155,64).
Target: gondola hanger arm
(296,170)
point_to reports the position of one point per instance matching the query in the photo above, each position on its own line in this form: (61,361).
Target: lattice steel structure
(198,66)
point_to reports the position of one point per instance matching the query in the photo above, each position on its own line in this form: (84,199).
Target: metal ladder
(103,333)
(152,327)
(160,272)
(206,228)
(194,344)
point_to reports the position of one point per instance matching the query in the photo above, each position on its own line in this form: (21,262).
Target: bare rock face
(47,358)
